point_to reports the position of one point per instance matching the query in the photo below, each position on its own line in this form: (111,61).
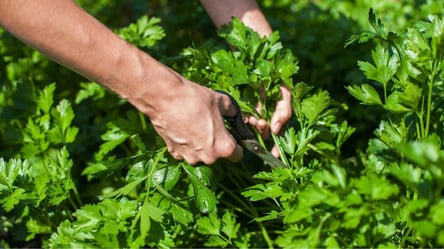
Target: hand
(281,116)
(191,124)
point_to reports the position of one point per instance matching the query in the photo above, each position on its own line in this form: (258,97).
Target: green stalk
(405,235)
(48,220)
(260,140)
(143,121)
(73,203)
(251,213)
(274,136)
(265,234)
(418,124)
(281,151)
(77,196)
(429,98)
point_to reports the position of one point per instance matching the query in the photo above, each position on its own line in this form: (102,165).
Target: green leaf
(300,90)
(13,199)
(409,175)
(340,174)
(10,170)
(315,195)
(216,242)
(365,93)
(394,103)
(64,114)
(209,225)
(423,153)
(181,213)
(168,176)
(411,96)
(45,98)
(113,138)
(385,66)
(289,141)
(331,242)
(239,35)
(272,215)
(145,33)
(297,214)
(145,221)
(313,106)
(287,67)
(263,68)
(376,187)
(88,218)
(345,131)
(437,213)
(230,226)
(89,90)
(391,133)
(263,191)
(35,227)
(200,179)
(233,71)
(149,212)
(125,190)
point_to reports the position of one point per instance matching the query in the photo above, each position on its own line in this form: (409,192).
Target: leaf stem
(281,151)
(239,201)
(142,121)
(429,97)
(265,234)
(77,196)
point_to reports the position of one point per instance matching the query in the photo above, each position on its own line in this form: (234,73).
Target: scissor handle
(245,137)
(239,129)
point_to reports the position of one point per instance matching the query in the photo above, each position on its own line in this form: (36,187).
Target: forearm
(70,36)
(221,12)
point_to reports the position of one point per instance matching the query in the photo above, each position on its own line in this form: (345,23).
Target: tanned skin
(70,36)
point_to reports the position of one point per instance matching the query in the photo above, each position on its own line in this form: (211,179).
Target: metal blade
(246,138)
(256,148)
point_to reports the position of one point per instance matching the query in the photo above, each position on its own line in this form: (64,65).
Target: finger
(275,151)
(237,154)
(230,149)
(176,156)
(283,110)
(261,126)
(191,160)
(226,107)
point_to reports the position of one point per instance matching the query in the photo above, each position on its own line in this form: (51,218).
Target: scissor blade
(271,160)
(246,138)
(254,146)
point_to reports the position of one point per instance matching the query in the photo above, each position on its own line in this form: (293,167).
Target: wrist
(144,82)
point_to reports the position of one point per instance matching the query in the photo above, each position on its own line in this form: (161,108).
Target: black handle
(239,129)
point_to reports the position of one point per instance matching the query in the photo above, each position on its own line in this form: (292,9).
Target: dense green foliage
(80,167)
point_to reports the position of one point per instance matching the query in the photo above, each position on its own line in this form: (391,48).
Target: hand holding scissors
(245,137)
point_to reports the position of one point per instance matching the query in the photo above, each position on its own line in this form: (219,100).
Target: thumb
(226,105)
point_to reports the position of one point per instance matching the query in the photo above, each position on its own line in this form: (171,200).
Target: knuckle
(170,150)
(228,149)
(191,161)
(209,161)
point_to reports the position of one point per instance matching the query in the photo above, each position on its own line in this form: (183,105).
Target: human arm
(186,115)
(221,12)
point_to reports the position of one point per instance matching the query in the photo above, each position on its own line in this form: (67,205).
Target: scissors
(245,137)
